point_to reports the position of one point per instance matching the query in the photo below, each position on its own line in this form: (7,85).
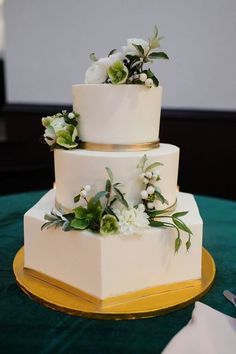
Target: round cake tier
(77,168)
(118,114)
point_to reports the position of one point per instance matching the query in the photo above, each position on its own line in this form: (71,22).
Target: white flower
(83,193)
(144,194)
(131,50)
(143,77)
(150,190)
(130,220)
(71,115)
(96,74)
(149,83)
(145,180)
(87,188)
(109,61)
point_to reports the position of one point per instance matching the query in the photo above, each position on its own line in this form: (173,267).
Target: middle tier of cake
(75,169)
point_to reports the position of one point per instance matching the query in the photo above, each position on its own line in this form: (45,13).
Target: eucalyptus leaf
(181,225)
(142,162)
(46,225)
(120,197)
(158,55)
(110,174)
(156,223)
(108,186)
(179,214)
(50,217)
(160,197)
(99,195)
(153,165)
(139,48)
(66,226)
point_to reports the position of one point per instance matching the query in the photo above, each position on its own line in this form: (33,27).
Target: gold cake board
(147,303)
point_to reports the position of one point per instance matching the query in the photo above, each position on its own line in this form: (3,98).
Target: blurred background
(45,47)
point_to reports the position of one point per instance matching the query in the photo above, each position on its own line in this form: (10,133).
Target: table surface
(28,327)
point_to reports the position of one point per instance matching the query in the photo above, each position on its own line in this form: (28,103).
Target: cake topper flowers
(127,66)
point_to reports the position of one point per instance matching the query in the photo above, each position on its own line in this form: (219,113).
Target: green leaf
(158,55)
(77,198)
(46,225)
(95,208)
(139,48)
(93,57)
(69,216)
(50,217)
(156,223)
(66,226)
(109,210)
(142,162)
(112,52)
(79,224)
(108,186)
(179,214)
(110,174)
(120,197)
(160,197)
(80,213)
(156,213)
(181,225)
(99,195)
(153,165)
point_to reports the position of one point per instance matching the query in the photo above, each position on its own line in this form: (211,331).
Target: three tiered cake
(117,223)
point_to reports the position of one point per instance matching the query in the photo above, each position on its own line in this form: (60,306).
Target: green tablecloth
(27,327)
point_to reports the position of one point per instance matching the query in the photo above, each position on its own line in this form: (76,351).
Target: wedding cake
(115,223)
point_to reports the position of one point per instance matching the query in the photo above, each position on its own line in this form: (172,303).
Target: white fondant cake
(118,114)
(74,169)
(110,266)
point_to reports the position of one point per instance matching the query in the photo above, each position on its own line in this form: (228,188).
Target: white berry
(87,188)
(141,207)
(148,174)
(145,180)
(150,205)
(150,190)
(143,77)
(144,194)
(83,193)
(149,83)
(71,115)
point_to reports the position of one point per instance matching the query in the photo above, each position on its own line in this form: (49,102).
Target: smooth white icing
(110,266)
(76,168)
(118,114)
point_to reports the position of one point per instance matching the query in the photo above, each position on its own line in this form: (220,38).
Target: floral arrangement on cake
(109,213)
(127,66)
(61,130)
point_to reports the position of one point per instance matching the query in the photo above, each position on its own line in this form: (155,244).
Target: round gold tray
(143,307)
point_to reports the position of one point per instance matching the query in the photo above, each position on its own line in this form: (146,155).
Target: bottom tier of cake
(105,267)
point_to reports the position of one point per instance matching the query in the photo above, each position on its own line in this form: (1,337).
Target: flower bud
(143,77)
(150,190)
(83,193)
(141,207)
(71,115)
(149,83)
(87,188)
(144,194)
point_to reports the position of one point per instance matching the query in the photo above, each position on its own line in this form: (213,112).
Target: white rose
(131,50)
(58,124)
(96,74)
(108,61)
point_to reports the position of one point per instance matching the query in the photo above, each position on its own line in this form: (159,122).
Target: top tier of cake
(118,114)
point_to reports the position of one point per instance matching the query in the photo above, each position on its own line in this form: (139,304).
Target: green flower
(67,137)
(109,225)
(118,73)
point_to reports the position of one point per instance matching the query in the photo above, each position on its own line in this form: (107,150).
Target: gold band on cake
(119,147)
